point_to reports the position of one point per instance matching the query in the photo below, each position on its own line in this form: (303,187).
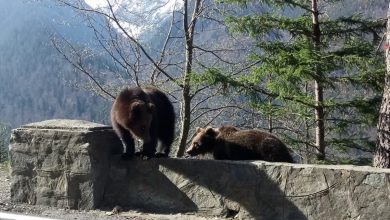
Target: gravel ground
(16,208)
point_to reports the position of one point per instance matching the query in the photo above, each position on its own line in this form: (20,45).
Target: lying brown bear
(230,143)
(145,114)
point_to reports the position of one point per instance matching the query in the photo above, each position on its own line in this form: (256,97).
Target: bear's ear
(198,129)
(135,106)
(211,131)
(151,107)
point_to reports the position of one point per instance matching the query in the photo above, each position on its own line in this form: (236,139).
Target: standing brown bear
(145,114)
(230,143)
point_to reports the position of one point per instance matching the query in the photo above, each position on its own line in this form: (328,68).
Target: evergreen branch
(213,76)
(351,143)
(273,3)
(272,94)
(353,25)
(344,121)
(260,25)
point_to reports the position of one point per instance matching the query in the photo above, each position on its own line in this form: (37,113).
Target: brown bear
(230,143)
(145,114)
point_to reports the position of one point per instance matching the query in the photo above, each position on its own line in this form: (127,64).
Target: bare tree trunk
(308,146)
(382,152)
(185,119)
(320,127)
(185,113)
(319,94)
(270,119)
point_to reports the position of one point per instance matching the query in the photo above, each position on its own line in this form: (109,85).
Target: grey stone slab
(60,167)
(66,124)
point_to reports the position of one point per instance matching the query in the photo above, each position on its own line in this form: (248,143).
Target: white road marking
(9,216)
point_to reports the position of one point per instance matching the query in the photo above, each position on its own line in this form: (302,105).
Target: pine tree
(318,78)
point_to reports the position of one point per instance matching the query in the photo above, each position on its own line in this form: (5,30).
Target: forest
(313,74)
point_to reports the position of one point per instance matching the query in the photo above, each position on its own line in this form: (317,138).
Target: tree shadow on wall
(240,183)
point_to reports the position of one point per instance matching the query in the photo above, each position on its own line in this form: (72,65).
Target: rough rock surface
(8,207)
(69,164)
(61,163)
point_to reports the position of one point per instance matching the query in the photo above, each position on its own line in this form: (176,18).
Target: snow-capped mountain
(138,16)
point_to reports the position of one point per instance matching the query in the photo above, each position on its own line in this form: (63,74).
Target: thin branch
(162,56)
(214,109)
(79,65)
(116,21)
(214,54)
(113,18)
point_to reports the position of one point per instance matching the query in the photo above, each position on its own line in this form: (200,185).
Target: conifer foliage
(318,79)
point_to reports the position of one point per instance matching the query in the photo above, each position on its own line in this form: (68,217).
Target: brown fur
(226,130)
(145,114)
(230,143)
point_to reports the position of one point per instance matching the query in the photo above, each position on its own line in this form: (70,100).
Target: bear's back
(253,145)
(165,111)
(120,108)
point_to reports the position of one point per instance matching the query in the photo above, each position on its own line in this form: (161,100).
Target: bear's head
(203,142)
(140,119)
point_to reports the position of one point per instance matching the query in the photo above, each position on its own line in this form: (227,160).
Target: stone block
(61,163)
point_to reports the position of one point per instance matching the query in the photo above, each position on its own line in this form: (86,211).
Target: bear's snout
(190,152)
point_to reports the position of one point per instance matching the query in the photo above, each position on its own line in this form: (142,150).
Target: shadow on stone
(139,184)
(243,188)
(208,187)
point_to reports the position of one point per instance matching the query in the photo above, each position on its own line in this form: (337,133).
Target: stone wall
(69,164)
(60,163)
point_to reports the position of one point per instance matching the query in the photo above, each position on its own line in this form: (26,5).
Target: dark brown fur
(230,143)
(145,114)
(227,130)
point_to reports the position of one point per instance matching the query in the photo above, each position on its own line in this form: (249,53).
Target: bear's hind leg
(166,137)
(163,151)
(148,149)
